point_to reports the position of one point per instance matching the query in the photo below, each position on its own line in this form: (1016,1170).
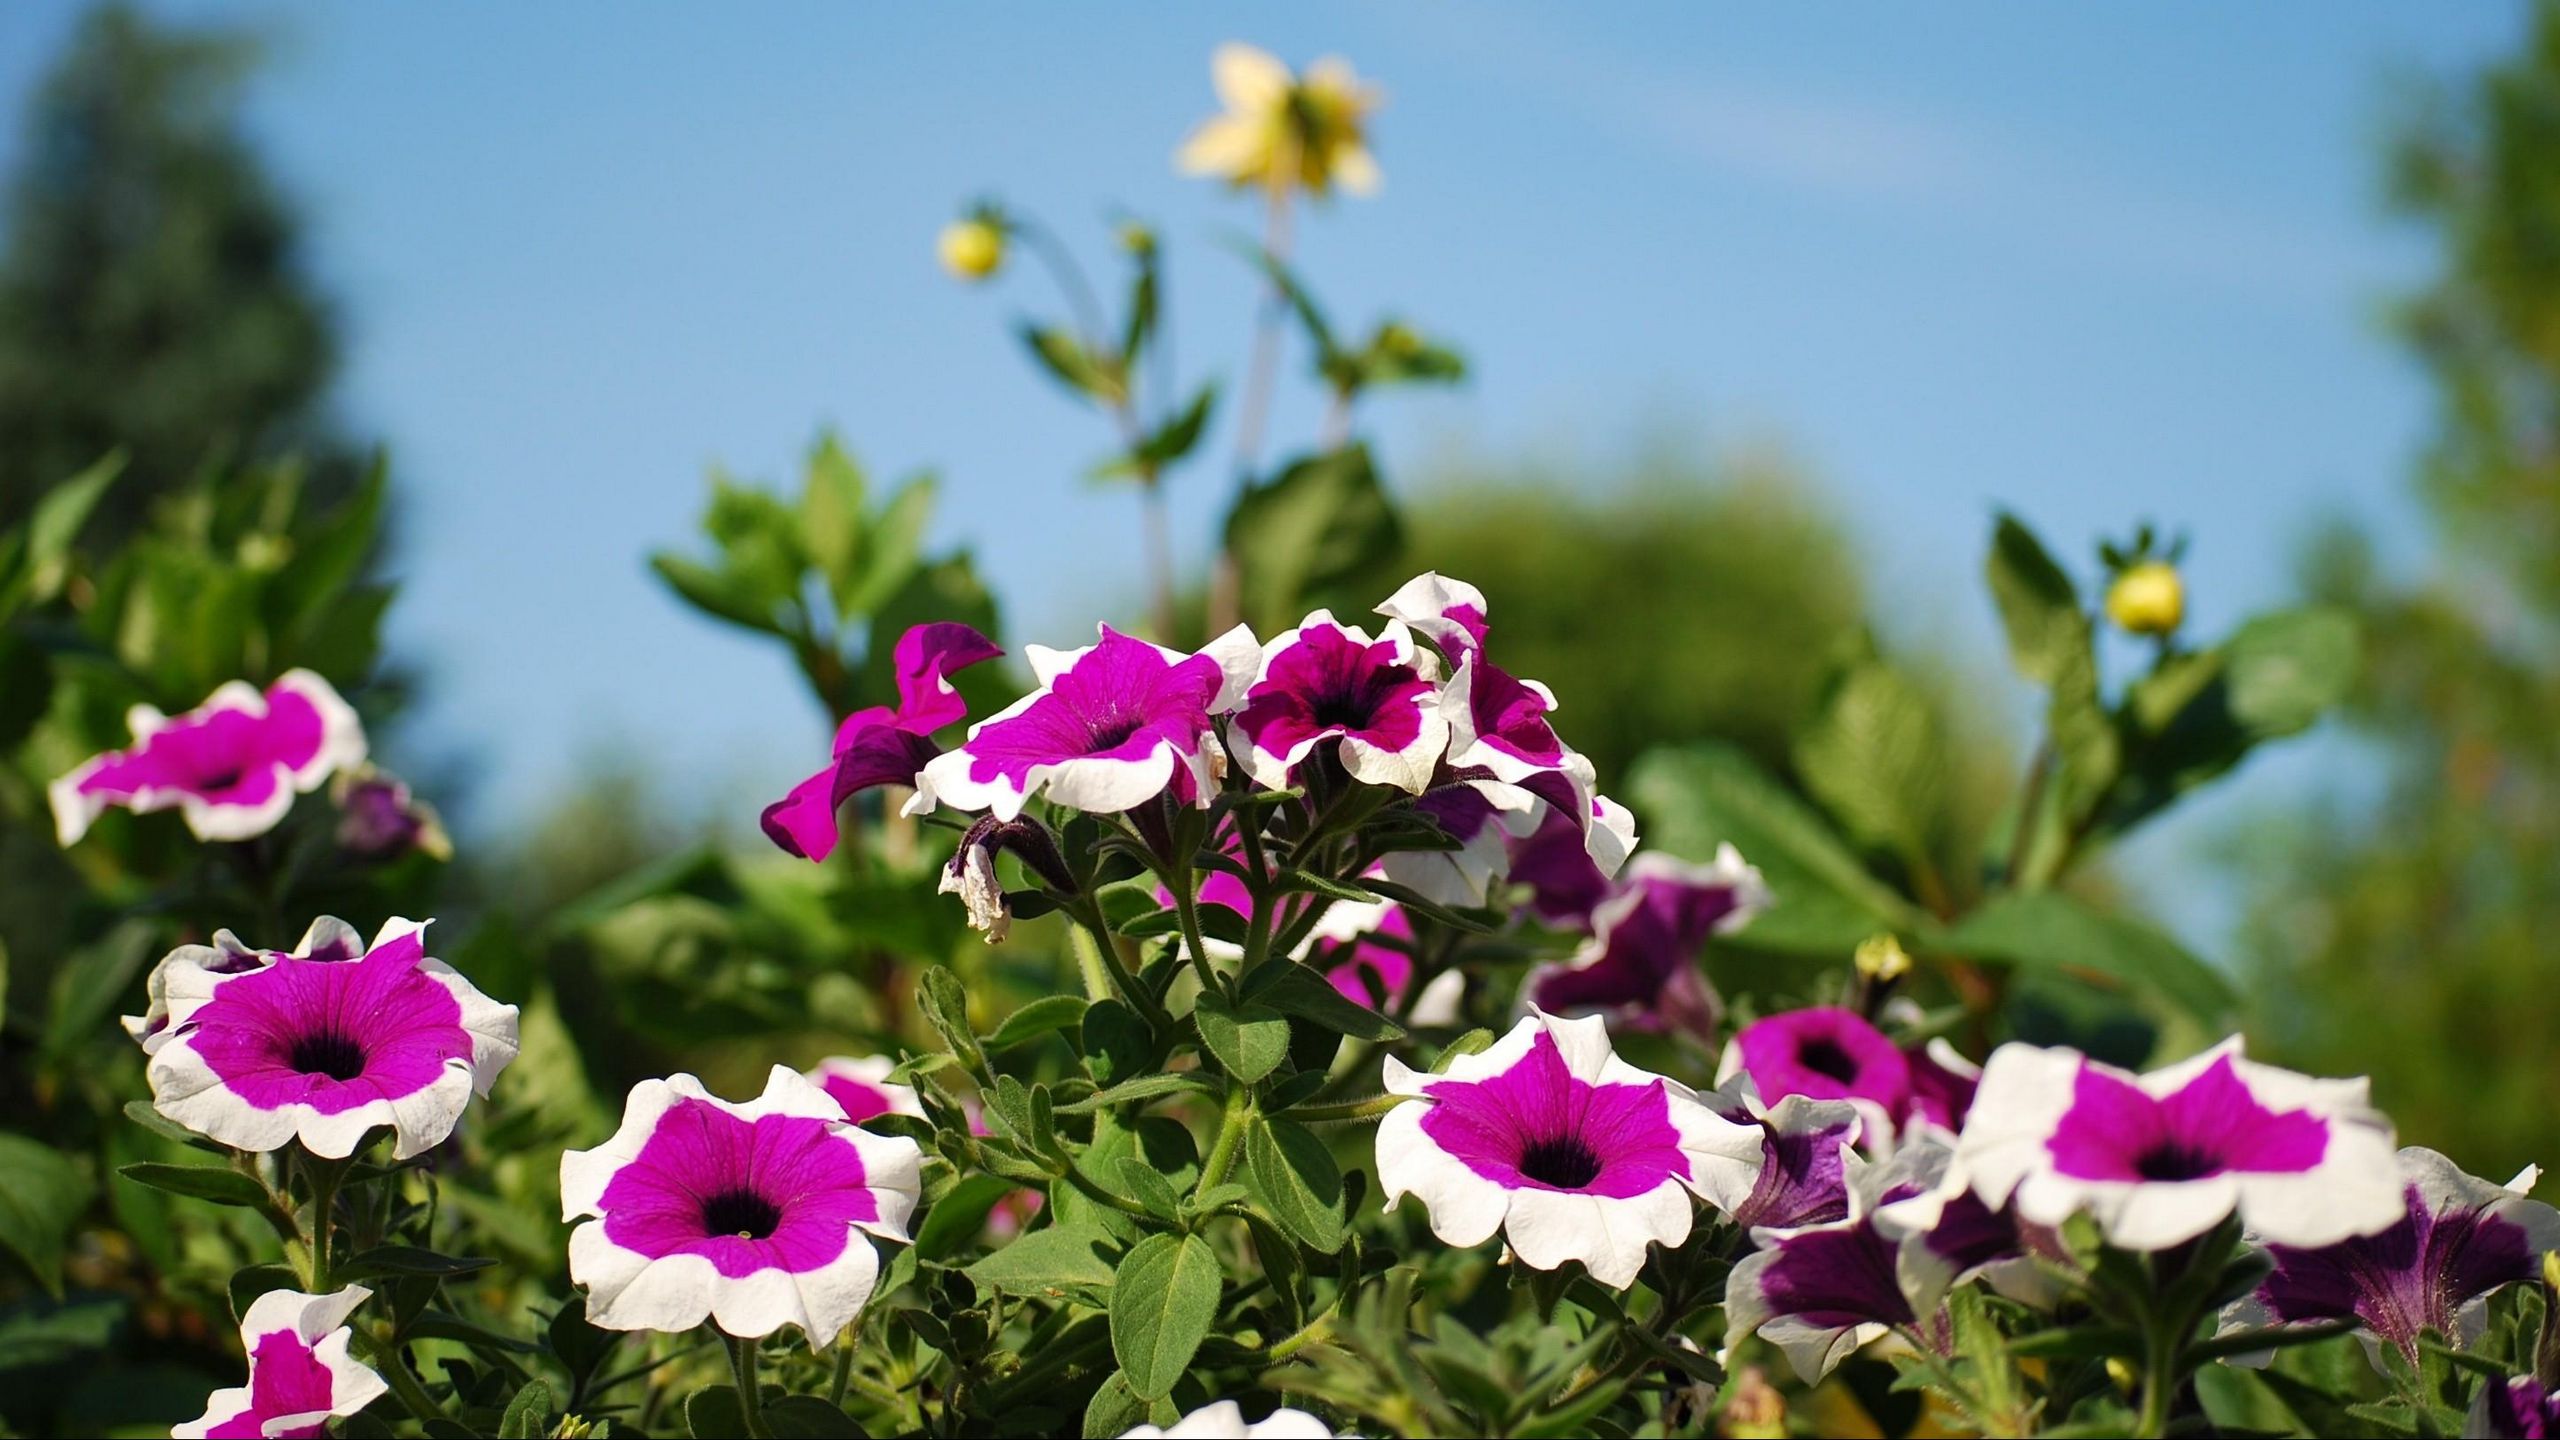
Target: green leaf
(1144,1087)
(1147,1185)
(892,553)
(214,1183)
(1248,1040)
(807,1417)
(2039,606)
(1116,1043)
(1048,1262)
(1161,448)
(1067,362)
(1043,1016)
(713,1413)
(946,1008)
(1303,993)
(1874,755)
(528,1415)
(714,592)
(832,520)
(141,1113)
(409,1260)
(1322,530)
(2288,669)
(2047,929)
(1114,1410)
(1291,1175)
(1161,1309)
(41,1196)
(1698,797)
(56,521)
(959,1215)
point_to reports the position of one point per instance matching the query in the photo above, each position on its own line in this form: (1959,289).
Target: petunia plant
(1258,1021)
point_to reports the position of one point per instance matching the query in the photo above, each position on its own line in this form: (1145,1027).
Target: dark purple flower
(1640,965)
(1802,1178)
(379,820)
(1820,1291)
(1825,1052)
(882,746)
(1377,702)
(1942,1085)
(231,765)
(1112,726)
(2462,1239)
(2515,1409)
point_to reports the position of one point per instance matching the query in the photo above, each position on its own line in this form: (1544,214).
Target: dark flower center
(2173,1160)
(1562,1161)
(221,779)
(740,1212)
(1111,733)
(333,1053)
(1823,1056)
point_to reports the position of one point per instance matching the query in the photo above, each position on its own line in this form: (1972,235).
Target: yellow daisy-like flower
(1282,130)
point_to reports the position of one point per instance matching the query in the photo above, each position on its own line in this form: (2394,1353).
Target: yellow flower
(1282,130)
(2148,598)
(1881,957)
(971,249)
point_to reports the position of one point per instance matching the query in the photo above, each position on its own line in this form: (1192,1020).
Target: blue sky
(2093,262)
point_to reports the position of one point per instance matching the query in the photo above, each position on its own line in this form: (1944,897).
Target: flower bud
(971,249)
(1881,960)
(379,821)
(2147,598)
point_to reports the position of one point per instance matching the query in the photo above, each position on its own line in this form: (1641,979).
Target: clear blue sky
(2093,262)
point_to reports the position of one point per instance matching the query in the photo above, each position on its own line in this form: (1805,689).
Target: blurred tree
(2417,943)
(151,291)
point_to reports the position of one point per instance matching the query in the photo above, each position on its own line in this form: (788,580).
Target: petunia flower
(2160,1159)
(300,1374)
(743,1214)
(1282,131)
(1825,1052)
(1377,703)
(971,872)
(859,1084)
(379,820)
(2462,1239)
(1461,876)
(1551,1139)
(2513,1409)
(1820,1292)
(322,1050)
(231,766)
(1640,965)
(1802,1174)
(1225,1421)
(1942,1085)
(1111,727)
(882,745)
(328,939)
(1348,946)
(1552,860)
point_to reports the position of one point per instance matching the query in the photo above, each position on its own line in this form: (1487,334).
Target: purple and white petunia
(321,1048)
(1363,950)
(2462,1239)
(1111,727)
(328,939)
(882,745)
(860,1086)
(1640,965)
(2514,1409)
(1909,1235)
(300,1374)
(1942,1085)
(231,766)
(1802,1177)
(380,821)
(1827,1053)
(1376,701)
(2160,1159)
(1551,1139)
(1462,876)
(744,1214)
(1225,1421)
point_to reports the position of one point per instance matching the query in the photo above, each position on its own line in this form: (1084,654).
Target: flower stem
(844,1369)
(2159,1379)
(394,1369)
(1222,1151)
(742,1365)
(1090,917)
(1369,1109)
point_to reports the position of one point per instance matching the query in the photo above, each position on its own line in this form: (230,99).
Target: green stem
(742,1365)
(1186,908)
(844,1369)
(1369,1109)
(394,1369)
(1137,994)
(1222,1151)
(2159,1380)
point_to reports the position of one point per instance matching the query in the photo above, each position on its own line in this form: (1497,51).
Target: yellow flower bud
(2125,1376)
(2148,598)
(1881,958)
(971,249)
(2551,1269)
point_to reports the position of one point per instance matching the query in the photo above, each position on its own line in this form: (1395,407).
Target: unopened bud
(1881,960)
(380,821)
(1137,237)
(971,249)
(2147,598)
(2121,1371)
(1755,1411)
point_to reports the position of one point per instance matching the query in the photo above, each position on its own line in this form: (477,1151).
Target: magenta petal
(804,821)
(926,656)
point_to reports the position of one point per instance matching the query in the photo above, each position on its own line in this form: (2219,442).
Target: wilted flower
(1376,702)
(323,1050)
(859,1084)
(1281,130)
(2462,1239)
(2160,1159)
(231,766)
(300,1374)
(972,248)
(1225,1421)
(1640,965)
(379,820)
(1551,1139)
(2147,598)
(1112,726)
(883,746)
(971,871)
(744,1214)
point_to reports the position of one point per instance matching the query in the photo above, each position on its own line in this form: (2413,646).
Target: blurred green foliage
(2417,941)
